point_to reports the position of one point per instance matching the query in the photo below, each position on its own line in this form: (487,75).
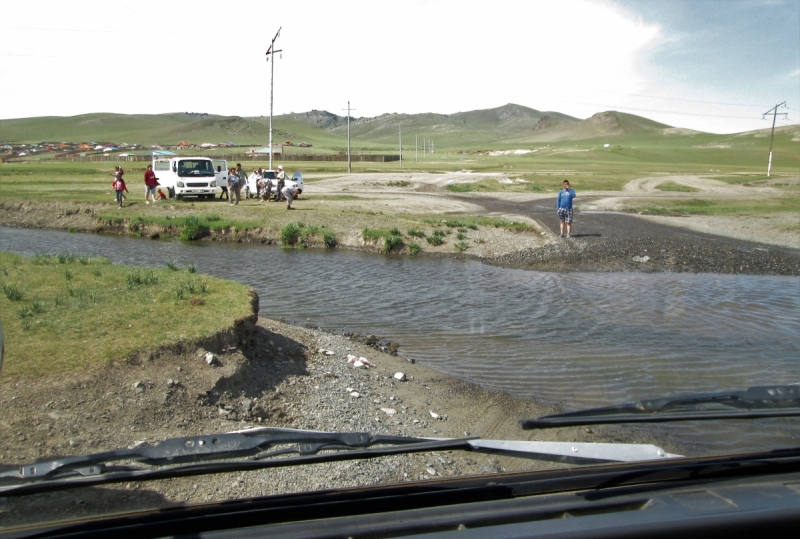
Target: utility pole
(424,148)
(416,149)
(774,111)
(349,168)
(271,53)
(401,143)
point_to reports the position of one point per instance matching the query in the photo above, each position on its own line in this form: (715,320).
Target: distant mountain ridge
(510,125)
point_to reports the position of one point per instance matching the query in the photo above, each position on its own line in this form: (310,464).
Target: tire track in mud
(606,241)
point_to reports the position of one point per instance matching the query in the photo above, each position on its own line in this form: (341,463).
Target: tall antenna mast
(271,54)
(775,113)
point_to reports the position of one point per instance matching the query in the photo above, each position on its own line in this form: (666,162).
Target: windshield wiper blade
(253,442)
(752,403)
(197,455)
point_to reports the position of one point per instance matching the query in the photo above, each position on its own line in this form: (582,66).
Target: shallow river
(588,339)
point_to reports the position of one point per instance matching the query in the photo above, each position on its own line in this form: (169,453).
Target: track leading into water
(608,241)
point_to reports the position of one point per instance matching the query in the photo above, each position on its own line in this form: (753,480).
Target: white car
(251,189)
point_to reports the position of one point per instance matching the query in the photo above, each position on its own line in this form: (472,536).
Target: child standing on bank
(119,186)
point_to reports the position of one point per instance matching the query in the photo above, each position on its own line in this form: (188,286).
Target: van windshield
(198,167)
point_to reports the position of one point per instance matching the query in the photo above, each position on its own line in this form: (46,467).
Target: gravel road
(605,241)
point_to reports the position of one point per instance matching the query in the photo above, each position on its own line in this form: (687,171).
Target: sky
(710,65)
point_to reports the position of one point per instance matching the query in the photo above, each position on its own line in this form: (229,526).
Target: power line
(91,31)
(679,99)
(665,111)
(30,55)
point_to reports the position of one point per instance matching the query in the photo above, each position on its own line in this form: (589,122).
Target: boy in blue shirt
(564,205)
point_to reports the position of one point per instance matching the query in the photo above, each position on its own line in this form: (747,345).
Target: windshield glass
(438,278)
(195,167)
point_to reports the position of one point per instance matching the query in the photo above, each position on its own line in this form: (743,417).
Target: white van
(221,172)
(186,176)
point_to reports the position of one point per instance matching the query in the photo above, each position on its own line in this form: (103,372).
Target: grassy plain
(591,165)
(788,203)
(65,313)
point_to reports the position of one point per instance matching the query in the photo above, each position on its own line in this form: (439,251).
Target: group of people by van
(237,179)
(265,184)
(151,184)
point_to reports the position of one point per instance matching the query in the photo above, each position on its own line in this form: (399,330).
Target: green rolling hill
(507,127)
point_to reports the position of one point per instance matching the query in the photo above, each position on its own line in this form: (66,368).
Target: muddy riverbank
(282,376)
(603,241)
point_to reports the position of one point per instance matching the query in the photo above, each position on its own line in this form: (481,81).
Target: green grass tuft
(435,239)
(290,234)
(65,258)
(392,243)
(374,234)
(329,238)
(194,228)
(13,292)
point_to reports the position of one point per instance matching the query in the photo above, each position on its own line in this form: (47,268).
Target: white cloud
(384,57)
(391,56)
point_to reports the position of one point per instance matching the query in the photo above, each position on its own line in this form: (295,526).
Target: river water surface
(578,339)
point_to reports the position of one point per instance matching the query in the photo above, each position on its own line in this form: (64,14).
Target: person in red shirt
(119,186)
(150,184)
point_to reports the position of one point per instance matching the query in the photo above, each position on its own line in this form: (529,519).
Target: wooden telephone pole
(775,113)
(271,54)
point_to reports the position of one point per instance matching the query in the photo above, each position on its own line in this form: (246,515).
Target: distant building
(276,151)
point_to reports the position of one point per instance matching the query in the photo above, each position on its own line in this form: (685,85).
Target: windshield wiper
(196,455)
(755,402)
